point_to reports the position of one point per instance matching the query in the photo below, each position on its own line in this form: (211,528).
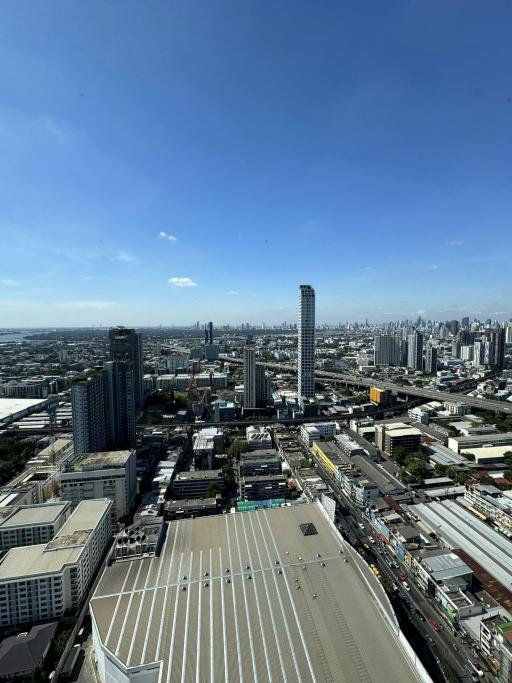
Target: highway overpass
(407,390)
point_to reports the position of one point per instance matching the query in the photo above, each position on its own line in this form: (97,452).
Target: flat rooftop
(105,458)
(47,513)
(277,614)
(10,407)
(197,475)
(460,529)
(65,548)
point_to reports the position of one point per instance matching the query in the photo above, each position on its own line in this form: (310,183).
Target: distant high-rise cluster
(306,346)
(403,345)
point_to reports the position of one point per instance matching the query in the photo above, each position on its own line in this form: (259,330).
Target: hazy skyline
(161,164)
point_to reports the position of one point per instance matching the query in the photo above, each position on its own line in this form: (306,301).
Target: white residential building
(111,474)
(41,582)
(314,432)
(31,524)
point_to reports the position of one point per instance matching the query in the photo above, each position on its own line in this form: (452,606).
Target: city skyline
(137,185)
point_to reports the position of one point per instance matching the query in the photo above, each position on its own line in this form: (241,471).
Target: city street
(433,648)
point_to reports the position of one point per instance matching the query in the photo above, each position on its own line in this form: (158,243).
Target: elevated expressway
(407,391)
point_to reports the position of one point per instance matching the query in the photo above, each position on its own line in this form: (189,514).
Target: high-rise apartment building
(498,339)
(387,349)
(263,387)
(89,409)
(126,345)
(306,339)
(415,351)
(508,332)
(210,333)
(431,360)
(120,397)
(249,376)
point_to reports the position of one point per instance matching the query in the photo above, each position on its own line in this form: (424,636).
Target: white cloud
(125,257)
(232,292)
(182,282)
(434,266)
(455,243)
(420,311)
(86,305)
(165,236)
(8,282)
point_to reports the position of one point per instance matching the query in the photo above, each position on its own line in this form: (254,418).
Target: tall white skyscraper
(306,335)
(249,376)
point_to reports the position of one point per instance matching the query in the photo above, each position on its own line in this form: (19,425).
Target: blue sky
(166,162)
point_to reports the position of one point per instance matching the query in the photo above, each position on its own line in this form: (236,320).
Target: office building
(392,435)
(306,344)
(197,484)
(388,350)
(111,474)
(31,524)
(120,398)
(126,345)
(46,581)
(314,432)
(431,360)
(247,610)
(258,437)
(263,387)
(89,408)
(210,333)
(263,487)
(249,376)
(498,340)
(415,351)
(260,462)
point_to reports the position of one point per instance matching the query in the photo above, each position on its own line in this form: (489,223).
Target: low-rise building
(31,524)
(263,487)
(110,474)
(258,438)
(195,484)
(460,444)
(191,507)
(260,462)
(42,582)
(389,437)
(496,644)
(314,432)
(492,503)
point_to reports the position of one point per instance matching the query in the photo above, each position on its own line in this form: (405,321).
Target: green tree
(443,470)
(237,447)
(212,490)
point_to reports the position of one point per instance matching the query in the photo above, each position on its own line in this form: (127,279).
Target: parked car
(420,615)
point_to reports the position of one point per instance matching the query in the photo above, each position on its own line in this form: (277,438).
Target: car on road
(406,586)
(420,615)
(401,576)
(434,624)
(371,539)
(360,525)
